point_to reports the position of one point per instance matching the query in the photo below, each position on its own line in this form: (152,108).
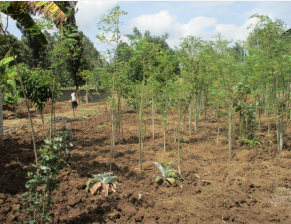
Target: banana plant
(167,173)
(102,183)
(21,11)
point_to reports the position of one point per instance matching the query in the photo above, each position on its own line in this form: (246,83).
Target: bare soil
(258,192)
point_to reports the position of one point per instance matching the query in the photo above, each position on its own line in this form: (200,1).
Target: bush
(38,201)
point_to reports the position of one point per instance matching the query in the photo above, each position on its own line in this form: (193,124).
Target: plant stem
(53,95)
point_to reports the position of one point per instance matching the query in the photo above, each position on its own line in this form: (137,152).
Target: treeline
(34,55)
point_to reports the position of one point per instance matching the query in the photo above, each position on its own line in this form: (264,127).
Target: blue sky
(179,18)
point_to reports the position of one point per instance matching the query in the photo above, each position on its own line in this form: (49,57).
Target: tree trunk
(153,118)
(229,142)
(217,139)
(164,127)
(87,95)
(175,131)
(259,100)
(118,120)
(204,135)
(190,117)
(277,116)
(183,126)
(52,107)
(179,121)
(55,116)
(140,122)
(196,114)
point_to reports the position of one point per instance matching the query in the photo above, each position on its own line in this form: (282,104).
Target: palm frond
(17,11)
(48,9)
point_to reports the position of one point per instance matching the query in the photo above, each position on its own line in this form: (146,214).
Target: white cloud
(230,31)
(90,12)
(162,22)
(206,27)
(157,23)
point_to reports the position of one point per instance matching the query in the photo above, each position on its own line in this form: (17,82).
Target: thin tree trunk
(217,139)
(164,127)
(55,117)
(52,107)
(259,100)
(229,142)
(153,118)
(199,105)
(196,114)
(175,131)
(179,122)
(277,115)
(179,137)
(122,134)
(140,122)
(283,102)
(190,118)
(118,119)
(87,95)
(204,121)
(183,126)
(218,120)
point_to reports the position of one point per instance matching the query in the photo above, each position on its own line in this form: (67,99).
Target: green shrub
(37,201)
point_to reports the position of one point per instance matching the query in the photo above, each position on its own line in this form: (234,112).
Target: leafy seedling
(168,175)
(102,183)
(101,126)
(251,142)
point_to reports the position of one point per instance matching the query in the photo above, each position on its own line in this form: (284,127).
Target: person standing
(74,100)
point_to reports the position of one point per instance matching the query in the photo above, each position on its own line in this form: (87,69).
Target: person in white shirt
(74,100)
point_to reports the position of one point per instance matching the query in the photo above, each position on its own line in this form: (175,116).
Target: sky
(178,18)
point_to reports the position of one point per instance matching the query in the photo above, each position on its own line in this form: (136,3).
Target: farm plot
(259,189)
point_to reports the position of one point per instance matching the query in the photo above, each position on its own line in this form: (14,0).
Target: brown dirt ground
(259,190)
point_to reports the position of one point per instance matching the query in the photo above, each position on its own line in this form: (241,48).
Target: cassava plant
(102,183)
(110,24)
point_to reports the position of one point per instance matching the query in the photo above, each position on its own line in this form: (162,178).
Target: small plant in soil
(251,142)
(102,183)
(101,126)
(37,201)
(168,175)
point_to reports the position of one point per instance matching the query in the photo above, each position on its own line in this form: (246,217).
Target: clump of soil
(256,191)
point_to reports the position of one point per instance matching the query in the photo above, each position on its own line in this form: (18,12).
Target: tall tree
(111,23)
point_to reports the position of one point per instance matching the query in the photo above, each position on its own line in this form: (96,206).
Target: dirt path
(259,190)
